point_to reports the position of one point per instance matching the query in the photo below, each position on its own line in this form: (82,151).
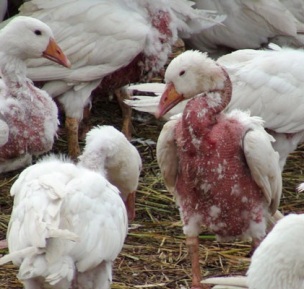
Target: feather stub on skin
(29,117)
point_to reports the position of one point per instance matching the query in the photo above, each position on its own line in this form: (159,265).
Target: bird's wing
(99,216)
(233,282)
(263,163)
(150,87)
(98,37)
(166,153)
(270,84)
(38,196)
(295,7)
(249,24)
(191,21)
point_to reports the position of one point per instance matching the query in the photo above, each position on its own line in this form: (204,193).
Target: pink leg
(122,94)
(193,248)
(130,206)
(72,126)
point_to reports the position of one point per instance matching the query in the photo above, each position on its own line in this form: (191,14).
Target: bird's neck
(201,111)
(13,73)
(94,162)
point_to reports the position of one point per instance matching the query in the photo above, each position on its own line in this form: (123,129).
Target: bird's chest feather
(214,180)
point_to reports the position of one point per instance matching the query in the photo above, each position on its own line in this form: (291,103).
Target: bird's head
(189,74)
(27,37)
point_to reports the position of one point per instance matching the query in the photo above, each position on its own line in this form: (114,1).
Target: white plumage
(269,83)
(276,264)
(110,43)
(249,24)
(69,222)
(28,115)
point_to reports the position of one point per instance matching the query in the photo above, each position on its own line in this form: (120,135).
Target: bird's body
(220,167)
(276,263)
(135,38)
(218,176)
(249,24)
(69,222)
(28,115)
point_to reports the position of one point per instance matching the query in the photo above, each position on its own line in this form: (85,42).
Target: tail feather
(20,254)
(233,282)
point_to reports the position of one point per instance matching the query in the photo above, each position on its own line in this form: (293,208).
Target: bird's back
(65,219)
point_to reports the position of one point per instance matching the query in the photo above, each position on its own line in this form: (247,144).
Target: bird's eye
(38,32)
(182,73)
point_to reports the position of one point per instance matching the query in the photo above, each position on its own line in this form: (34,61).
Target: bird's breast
(214,180)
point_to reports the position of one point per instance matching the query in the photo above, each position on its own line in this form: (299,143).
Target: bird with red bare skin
(220,167)
(28,115)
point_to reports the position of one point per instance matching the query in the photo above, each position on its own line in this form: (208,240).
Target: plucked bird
(220,166)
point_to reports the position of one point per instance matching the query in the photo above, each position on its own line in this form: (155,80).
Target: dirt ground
(154,254)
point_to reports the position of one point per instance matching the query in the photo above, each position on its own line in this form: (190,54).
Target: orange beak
(54,53)
(168,100)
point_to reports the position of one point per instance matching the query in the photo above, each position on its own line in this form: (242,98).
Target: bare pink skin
(214,184)
(29,129)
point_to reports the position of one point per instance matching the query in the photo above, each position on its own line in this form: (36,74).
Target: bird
(266,82)
(249,25)
(110,43)
(220,167)
(68,222)
(276,263)
(28,115)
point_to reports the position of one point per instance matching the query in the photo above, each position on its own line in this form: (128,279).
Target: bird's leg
(193,248)
(72,125)
(3,244)
(85,126)
(130,205)
(122,94)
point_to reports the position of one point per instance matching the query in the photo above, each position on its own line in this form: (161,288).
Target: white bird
(249,24)
(69,222)
(276,264)
(220,167)
(28,115)
(270,84)
(110,43)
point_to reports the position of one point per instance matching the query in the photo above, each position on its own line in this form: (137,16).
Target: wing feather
(263,163)
(166,153)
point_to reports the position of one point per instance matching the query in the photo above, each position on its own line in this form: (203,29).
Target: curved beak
(168,100)
(54,53)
